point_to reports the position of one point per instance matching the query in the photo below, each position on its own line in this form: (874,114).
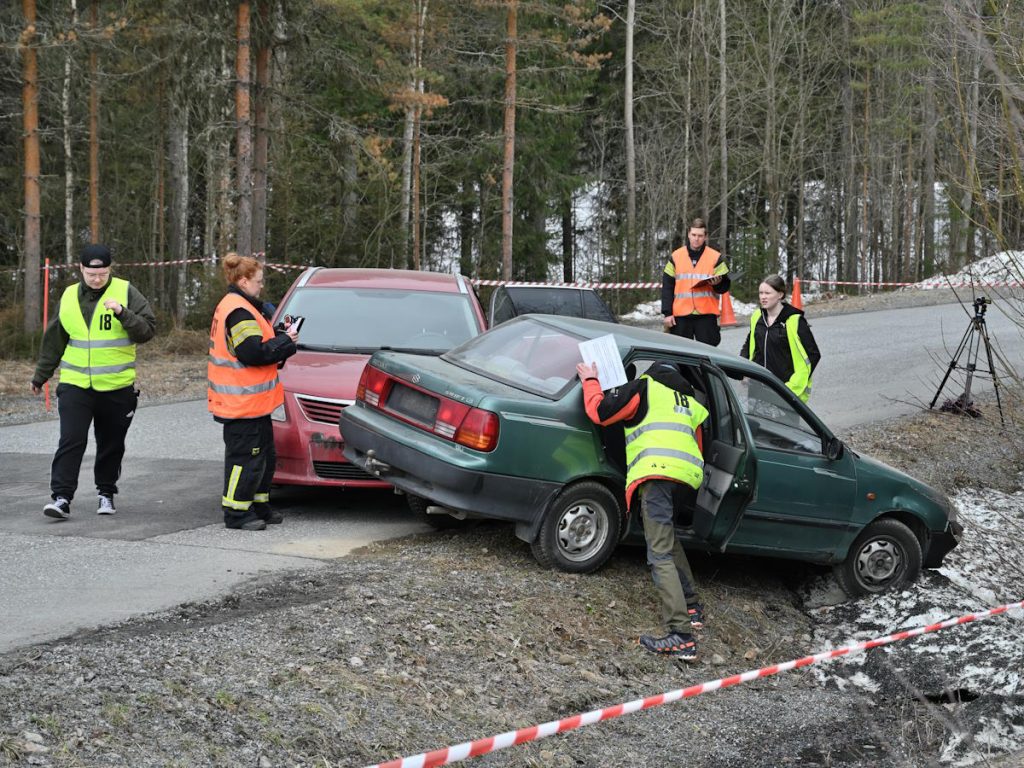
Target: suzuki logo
(415,378)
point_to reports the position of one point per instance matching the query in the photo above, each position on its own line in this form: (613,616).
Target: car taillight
(479,430)
(449,417)
(371,385)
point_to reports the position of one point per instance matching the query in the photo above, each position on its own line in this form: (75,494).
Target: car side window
(724,424)
(774,421)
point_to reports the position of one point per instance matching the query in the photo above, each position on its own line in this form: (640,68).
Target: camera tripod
(974,337)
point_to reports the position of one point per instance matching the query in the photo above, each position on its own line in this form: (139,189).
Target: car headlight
(278,414)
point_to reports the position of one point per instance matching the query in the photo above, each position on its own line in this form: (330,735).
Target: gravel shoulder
(413,644)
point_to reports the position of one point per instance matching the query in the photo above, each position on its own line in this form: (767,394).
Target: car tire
(885,556)
(418,506)
(581,529)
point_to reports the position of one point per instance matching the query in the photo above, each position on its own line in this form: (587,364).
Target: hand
(669,322)
(36,388)
(586,371)
(292,332)
(114,305)
(715,280)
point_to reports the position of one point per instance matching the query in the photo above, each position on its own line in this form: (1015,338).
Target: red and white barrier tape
(968,284)
(479,747)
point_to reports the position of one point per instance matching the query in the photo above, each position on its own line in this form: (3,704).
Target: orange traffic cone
(796,300)
(728,317)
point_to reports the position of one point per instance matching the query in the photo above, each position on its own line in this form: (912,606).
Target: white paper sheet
(604,352)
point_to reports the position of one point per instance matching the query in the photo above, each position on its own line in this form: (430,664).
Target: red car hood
(332,375)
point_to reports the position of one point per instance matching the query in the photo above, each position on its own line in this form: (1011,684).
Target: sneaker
(264,512)
(59,508)
(105,505)
(696,612)
(676,645)
(244,523)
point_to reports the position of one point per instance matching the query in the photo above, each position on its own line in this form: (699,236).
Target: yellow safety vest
(100,355)
(664,444)
(800,381)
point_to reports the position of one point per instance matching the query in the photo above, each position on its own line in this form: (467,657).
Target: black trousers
(249,462)
(110,414)
(703,328)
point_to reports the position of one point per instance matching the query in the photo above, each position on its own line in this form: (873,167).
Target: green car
(496,429)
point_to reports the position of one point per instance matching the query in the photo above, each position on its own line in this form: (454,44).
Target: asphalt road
(879,365)
(167,544)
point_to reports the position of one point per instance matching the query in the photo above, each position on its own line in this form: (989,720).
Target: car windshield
(570,302)
(523,353)
(366,319)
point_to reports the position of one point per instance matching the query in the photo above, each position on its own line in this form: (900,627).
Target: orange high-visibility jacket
(690,298)
(236,390)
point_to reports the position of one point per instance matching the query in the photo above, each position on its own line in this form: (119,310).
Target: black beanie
(95,255)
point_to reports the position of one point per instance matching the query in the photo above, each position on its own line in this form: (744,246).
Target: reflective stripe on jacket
(99,355)
(800,381)
(236,390)
(664,444)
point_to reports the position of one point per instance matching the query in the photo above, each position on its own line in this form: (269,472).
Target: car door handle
(820,471)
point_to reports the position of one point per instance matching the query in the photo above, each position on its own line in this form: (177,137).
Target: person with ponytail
(243,390)
(780,338)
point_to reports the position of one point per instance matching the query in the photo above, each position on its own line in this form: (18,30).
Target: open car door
(730,465)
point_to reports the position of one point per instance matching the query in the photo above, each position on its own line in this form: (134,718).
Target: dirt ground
(414,644)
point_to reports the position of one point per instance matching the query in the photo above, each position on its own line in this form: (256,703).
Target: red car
(348,315)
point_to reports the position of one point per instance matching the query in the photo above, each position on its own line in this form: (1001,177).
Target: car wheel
(418,506)
(886,555)
(580,530)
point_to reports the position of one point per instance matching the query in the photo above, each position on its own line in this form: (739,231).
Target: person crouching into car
(660,416)
(245,353)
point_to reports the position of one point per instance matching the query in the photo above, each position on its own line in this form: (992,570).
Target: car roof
(528,288)
(628,337)
(396,279)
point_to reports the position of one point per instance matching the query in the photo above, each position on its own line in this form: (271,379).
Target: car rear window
(343,319)
(523,353)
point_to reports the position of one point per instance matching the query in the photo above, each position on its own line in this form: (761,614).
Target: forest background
(849,140)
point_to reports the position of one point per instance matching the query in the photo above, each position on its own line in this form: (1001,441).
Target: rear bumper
(941,544)
(480,494)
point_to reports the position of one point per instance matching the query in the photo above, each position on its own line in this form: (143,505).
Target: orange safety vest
(689,300)
(236,390)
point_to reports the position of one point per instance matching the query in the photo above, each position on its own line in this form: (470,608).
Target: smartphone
(294,322)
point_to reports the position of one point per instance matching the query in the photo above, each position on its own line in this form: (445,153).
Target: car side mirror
(834,449)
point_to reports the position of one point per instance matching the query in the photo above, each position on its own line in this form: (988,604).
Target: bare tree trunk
(928,217)
(243,128)
(466,229)
(159,202)
(177,161)
(510,142)
(226,215)
(30,124)
(69,170)
(94,128)
(261,149)
(568,239)
(630,140)
(416,223)
(684,210)
(723,122)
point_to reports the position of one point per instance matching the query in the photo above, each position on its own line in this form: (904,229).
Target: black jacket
(771,346)
(255,351)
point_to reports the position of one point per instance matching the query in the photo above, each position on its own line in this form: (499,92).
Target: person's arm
(745,348)
(668,288)
(803,330)
(604,408)
(721,285)
(137,319)
(245,335)
(55,339)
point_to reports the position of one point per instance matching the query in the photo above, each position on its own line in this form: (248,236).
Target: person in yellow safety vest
(664,467)
(780,338)
(243,390)
(695,276)
(92,337)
